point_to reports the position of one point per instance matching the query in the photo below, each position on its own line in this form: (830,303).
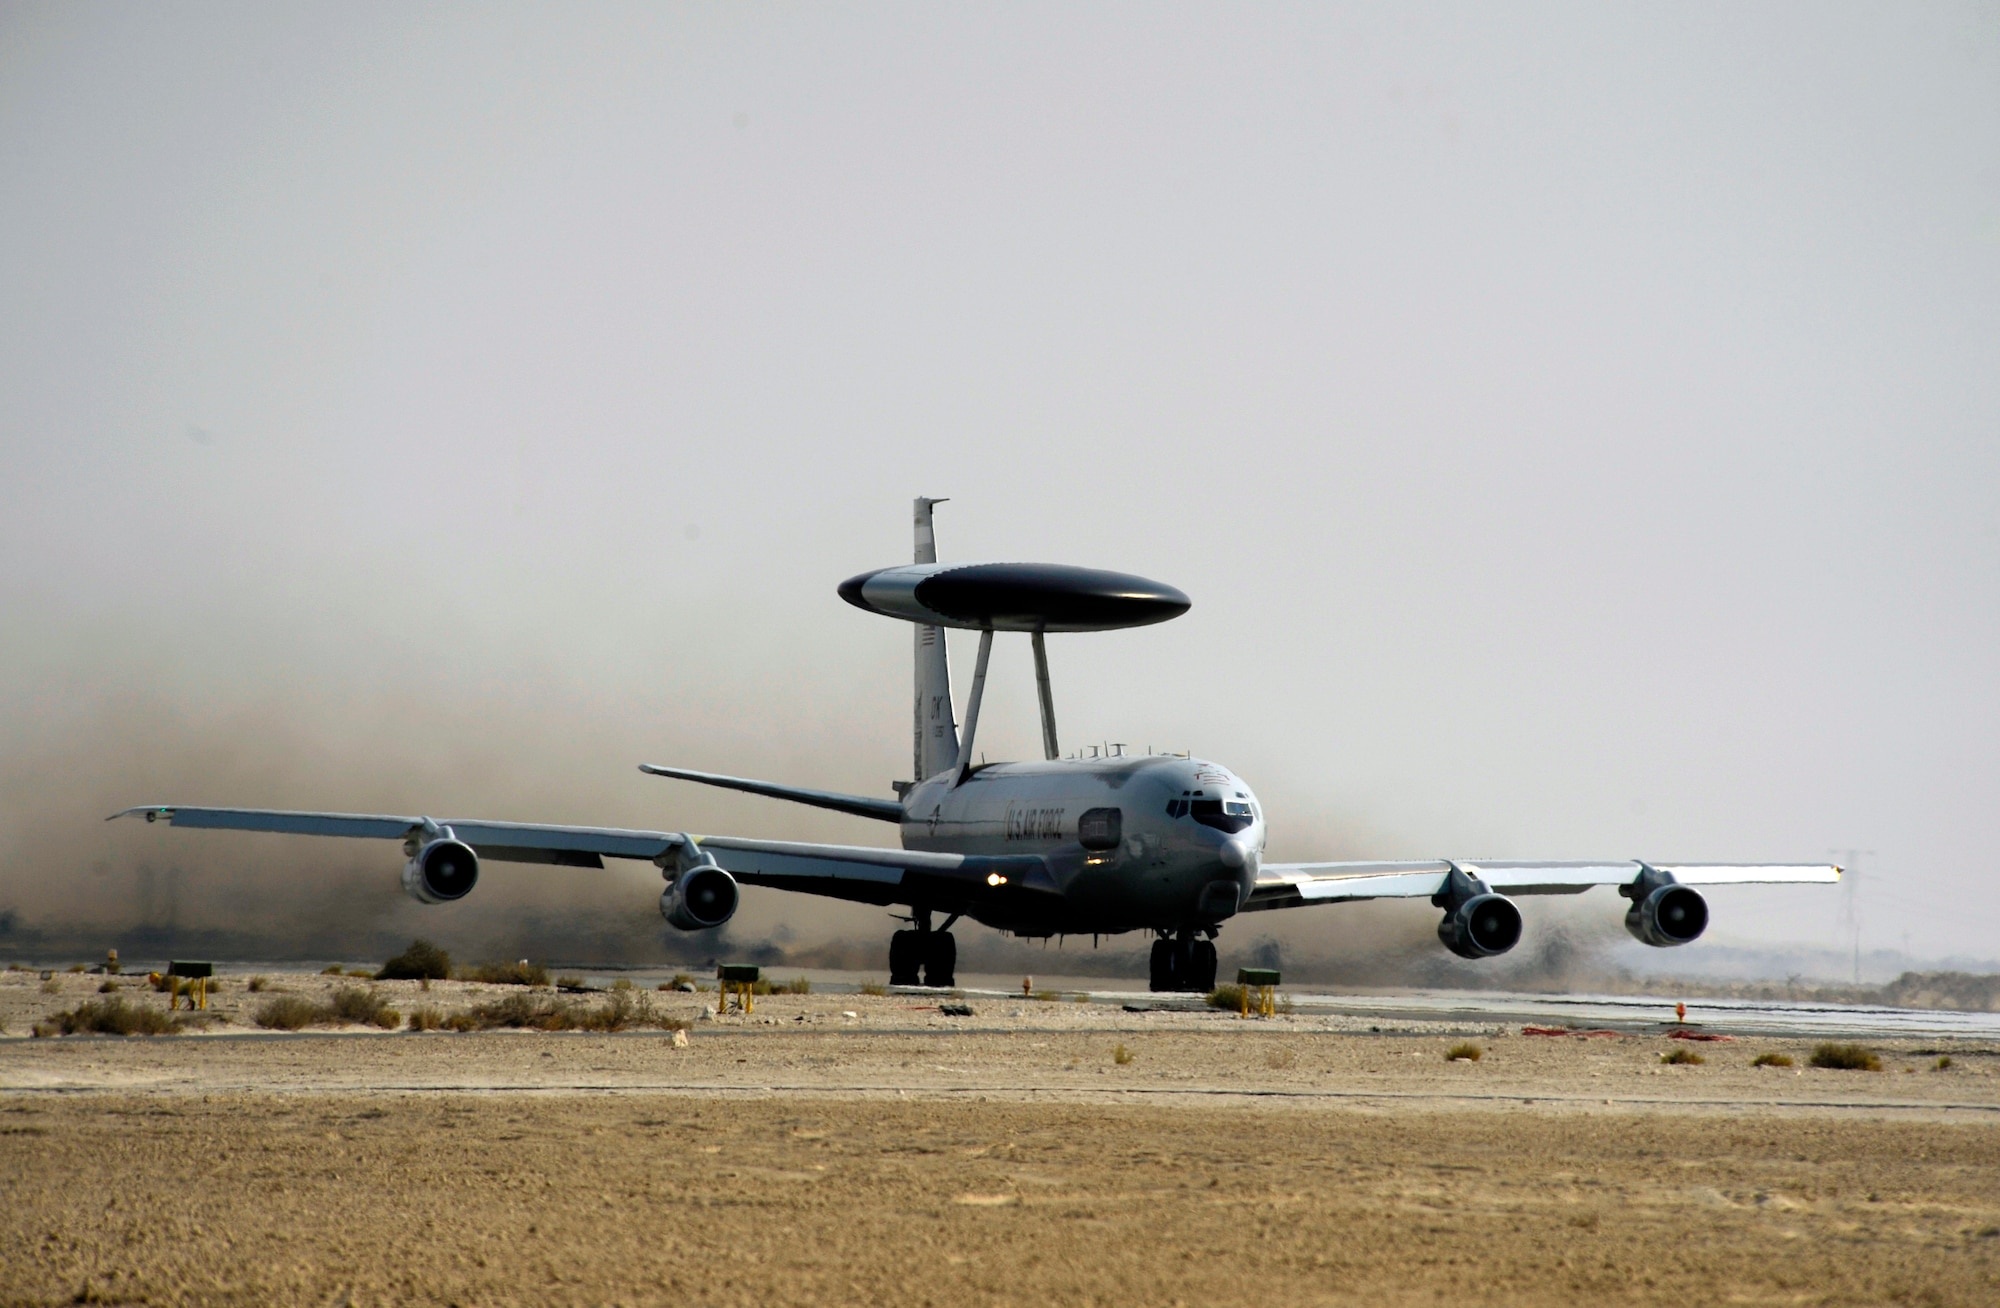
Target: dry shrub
(363,1007)
(1771,1060)
(1048,996)
(108,988)
(360,973)
(874,988)
(1464,1052)
(622,983)
(111,1017)
(422,961)
(623,1010)
(1121,1055)
(51,987)
(258,985)
(1943,1063)
(76,967)
(348,1004)
(331,969)
(425,1019)
(517,1012)
(1682,1058)
(508,974)
(626,1010)
(1845,1058)
(798,985)
(287,1013)
(1229,997)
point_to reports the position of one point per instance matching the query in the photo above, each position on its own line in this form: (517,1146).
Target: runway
(1637,1014)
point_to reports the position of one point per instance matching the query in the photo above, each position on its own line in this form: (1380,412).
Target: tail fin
(936,732)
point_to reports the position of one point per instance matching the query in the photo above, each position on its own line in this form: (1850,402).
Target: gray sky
(1578,427)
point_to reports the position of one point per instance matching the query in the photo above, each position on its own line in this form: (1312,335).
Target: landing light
(995,879)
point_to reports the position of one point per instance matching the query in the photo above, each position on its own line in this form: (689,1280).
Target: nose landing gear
(933,955)
(1183,963)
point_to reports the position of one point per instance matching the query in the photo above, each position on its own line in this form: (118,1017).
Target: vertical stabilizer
(935,730)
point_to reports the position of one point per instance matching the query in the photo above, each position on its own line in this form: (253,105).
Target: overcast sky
(1578,427)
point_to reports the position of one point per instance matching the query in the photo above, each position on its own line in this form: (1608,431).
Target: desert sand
(858,1149)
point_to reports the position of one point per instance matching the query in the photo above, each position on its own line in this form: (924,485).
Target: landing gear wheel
(1201,977)
(940,959)
(906,954)
(1185,966)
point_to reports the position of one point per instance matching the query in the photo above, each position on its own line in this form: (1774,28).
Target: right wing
(1292,885)
(858,872)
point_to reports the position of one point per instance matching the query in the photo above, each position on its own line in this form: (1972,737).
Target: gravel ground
(859,1149)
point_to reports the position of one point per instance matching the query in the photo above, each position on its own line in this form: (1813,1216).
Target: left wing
(871,875)
(1292,885)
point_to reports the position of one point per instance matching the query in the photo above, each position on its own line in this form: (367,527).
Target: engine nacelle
(441,871)
(701,897)
(1481,926)
(1668,915)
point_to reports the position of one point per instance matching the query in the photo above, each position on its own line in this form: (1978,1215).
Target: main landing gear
(933,954)
(1183,963)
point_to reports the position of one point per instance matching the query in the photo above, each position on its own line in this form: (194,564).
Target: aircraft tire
(906,952)
(1163,970)
(1203,978)
(940,958)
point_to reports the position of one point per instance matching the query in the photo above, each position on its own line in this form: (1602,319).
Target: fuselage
(1156,842)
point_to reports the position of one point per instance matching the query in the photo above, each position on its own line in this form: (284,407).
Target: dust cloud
(109,732)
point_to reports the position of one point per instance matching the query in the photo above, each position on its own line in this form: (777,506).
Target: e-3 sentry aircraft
(1168,844)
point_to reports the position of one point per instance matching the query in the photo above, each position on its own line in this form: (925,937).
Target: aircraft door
(1100,828)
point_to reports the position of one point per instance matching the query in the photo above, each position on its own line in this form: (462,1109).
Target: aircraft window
(1222,814)
(1100,828)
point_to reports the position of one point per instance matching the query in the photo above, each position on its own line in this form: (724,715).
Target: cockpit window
(1222,814)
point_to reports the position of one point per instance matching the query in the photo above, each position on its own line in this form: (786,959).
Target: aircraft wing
(865,873)
(1293,885)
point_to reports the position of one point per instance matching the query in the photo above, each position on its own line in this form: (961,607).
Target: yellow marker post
(741,978)
(1262,980)
(190,979)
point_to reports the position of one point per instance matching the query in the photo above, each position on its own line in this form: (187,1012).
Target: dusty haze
(1575,430)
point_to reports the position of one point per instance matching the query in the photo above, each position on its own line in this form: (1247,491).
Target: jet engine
(1668,915)
(1481,926)
(702,896)
(441,871)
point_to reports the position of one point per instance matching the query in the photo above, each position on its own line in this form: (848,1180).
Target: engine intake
(1668,915)
(1477,923)
(701,897)
(441,871)
(1481,927)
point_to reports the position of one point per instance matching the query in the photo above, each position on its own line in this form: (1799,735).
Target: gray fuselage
(1155,842)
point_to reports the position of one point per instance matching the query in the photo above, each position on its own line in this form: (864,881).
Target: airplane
(1167,844)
